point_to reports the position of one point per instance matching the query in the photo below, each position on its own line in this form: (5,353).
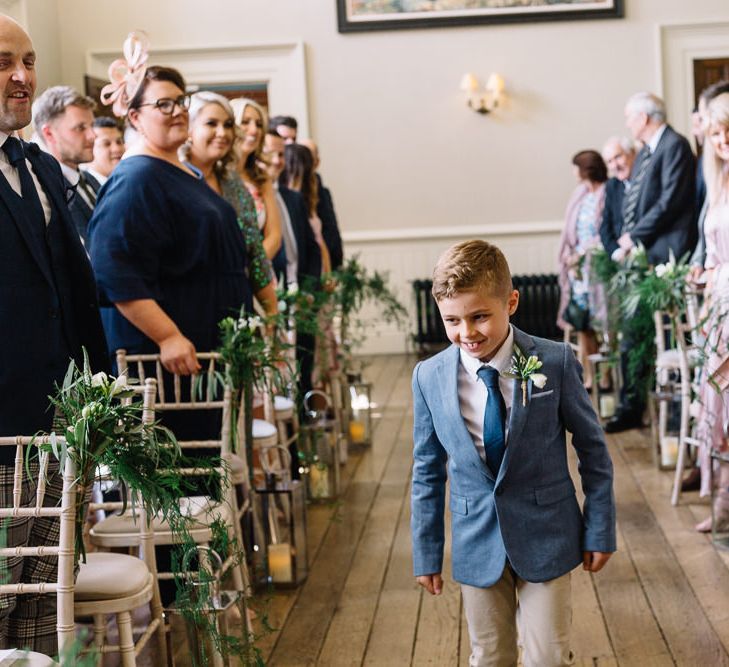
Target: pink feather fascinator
(126,74)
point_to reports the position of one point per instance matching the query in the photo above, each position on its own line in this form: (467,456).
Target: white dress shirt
(653,143)
(472,392)
(13,178)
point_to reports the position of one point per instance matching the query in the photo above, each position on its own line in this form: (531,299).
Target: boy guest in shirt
(517,528)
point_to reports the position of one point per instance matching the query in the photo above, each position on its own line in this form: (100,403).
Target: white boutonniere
(525,368)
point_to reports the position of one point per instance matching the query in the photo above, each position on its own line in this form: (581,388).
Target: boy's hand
(433,583)
(594,561)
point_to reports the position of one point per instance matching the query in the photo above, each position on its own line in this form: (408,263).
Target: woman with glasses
(166,249)
(252,124)
(210,148)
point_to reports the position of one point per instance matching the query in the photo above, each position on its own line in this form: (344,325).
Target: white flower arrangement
(525,368)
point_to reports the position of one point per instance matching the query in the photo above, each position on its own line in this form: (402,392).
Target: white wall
(400,149)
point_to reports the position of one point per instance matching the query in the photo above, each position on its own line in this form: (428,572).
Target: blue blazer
(528,513)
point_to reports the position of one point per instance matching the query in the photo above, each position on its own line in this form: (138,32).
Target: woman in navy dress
(167,252)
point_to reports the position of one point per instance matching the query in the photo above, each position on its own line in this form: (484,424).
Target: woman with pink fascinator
(167,252)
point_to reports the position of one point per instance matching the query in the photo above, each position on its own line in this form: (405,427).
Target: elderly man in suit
(659,214)
(64,121)
(658,210)
(50,312)
(619,155)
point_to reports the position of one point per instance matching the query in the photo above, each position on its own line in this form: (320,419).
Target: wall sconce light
(486,100)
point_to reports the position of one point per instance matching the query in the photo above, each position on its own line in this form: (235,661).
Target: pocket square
(542,394)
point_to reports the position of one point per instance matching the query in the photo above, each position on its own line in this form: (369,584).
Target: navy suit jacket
(665,210)
(42,323)
(528,512)
(309,269)
(611,227)
(329,226)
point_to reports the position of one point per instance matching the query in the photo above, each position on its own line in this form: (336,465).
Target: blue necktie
(494,419)
(16,155)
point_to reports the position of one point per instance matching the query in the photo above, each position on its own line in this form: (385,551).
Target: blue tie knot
(489,376)
(14,150)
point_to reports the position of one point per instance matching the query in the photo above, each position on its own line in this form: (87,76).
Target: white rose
(99,380)
(661,270)
(539,380)
(86,411)
(293,289)
(282,306)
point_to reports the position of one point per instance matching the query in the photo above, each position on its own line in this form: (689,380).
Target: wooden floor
(662,600)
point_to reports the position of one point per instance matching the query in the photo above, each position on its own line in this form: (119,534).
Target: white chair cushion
(282,403)
(263,429)
(107,576)
(671,359)
(21,658)
(200,508)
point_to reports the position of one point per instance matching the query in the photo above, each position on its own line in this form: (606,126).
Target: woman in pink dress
(713,396)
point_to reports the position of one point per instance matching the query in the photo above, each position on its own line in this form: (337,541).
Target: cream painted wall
(399,147)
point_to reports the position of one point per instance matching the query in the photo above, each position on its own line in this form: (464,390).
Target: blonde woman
(210,148)
(714,414)
(250,118)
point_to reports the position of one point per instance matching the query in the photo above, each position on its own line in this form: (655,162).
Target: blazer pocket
(542,394)
(458,504)
(546,495)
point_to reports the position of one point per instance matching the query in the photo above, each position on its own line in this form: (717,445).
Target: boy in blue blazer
(490,416)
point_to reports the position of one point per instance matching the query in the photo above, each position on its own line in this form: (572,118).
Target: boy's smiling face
(478,321)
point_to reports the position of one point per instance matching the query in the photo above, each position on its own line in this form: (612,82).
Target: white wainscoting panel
(410,254)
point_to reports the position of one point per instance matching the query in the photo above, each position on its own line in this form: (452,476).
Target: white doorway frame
(679,45)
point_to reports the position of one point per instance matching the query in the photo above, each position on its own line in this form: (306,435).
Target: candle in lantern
(280,566)
(607,406)
(356,431)
(319,481)
(669,450)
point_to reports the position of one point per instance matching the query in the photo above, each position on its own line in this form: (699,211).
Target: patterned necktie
(494,419)
(14,150)
(84,185)
(630,204)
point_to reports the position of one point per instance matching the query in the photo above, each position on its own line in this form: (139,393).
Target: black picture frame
(610,9)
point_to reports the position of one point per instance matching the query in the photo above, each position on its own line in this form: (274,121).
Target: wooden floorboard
(663,598)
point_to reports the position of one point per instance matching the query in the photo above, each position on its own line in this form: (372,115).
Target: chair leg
(158,613)
(126,639)
(99,635)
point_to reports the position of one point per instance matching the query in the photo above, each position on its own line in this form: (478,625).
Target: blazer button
(499,490)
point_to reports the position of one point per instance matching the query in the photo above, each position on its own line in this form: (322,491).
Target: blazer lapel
(32,240)
(519,411)
(449,373)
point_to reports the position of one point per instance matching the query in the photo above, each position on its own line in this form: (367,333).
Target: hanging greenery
(104,430)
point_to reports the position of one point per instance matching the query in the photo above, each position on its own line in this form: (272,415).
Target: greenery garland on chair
(104,431)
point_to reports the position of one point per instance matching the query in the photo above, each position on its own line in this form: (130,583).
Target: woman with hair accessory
(251,121)
(582,305)
(713,419)
(210,148)
(167,252)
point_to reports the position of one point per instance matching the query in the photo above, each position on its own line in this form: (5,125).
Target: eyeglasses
(167,105)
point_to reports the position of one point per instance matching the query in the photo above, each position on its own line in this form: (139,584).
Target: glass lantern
(281,508)
(360,413)
(319,448)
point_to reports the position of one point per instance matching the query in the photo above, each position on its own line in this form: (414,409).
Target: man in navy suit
(49,312)
(619,155)
(64,120)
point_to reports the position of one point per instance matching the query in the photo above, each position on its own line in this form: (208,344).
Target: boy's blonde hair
(471,265)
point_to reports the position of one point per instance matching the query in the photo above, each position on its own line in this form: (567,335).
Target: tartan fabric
(29,620)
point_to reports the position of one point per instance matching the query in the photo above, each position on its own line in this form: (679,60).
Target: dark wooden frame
(435,21)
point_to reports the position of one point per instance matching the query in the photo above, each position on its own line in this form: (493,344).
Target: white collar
(3,138)
(70,174)
(653,143)
(501,361)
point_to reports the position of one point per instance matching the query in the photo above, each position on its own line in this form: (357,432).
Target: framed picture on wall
(359,15)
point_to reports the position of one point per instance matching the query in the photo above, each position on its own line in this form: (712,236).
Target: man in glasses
(64,121)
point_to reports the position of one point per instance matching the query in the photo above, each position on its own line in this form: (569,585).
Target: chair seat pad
(107,576)
(200,508)
(263,429)
(671,359)
(22,658)
(281,403)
